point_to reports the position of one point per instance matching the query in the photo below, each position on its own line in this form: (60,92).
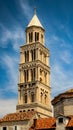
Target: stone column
(40,40)
(33,36)
(47,60)
(22,57)
(19,97)
(38,73)
(38,54)
(21,76)
(27,38)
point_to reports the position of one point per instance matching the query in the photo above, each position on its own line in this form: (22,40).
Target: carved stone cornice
(31,65)
(36,45)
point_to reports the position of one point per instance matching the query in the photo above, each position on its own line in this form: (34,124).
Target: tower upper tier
(34,31)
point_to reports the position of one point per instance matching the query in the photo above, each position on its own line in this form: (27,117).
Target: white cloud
(16,36)
(9,63)
(66,56)
(7,106)
(60,80)
(26,8)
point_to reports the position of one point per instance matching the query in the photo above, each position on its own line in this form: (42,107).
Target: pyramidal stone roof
(35,22)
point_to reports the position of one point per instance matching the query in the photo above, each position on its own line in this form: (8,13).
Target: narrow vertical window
(25,98)
(42,38)
(34,74)
(41,55)
(34,54)
(36,36)
(41,96)
(45,98)
(31,75)
(40,72)
(30,37)
(15,127)
(32,97)
(27,55)
(25,75)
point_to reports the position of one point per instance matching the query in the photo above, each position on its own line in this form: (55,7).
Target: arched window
(45,74)
(45,98)
(20,111)
(36,36)
(25,98)
(32,109)
(34,53)
(31,75)
(40,72)
(24,111)
(30,37)
(27,55)
(34,74)
(41,96)
(25,76)
(15,127)
(40,79)
(41,55)
(42,38)
(32,97)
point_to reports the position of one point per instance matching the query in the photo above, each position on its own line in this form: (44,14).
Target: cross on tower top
(35,10)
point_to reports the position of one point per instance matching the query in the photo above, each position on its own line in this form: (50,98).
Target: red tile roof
(41,123)
(70,123)
(18,116)
(49,123)
(44,123)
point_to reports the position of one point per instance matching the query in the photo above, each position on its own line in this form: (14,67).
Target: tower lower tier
(42,110)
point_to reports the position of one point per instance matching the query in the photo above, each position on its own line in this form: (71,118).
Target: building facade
(34,72)
(63,104)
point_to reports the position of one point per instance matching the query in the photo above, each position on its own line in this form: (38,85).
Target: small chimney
(35,121)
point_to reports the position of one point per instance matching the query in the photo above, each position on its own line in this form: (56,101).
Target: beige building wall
(21,125)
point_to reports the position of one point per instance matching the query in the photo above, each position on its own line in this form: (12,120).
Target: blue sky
(57,18)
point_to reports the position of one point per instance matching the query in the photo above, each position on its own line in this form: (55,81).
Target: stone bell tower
(34,72)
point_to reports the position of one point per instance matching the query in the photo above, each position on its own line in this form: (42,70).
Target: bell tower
(34,72)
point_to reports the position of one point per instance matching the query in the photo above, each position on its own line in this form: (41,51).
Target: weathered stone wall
(58,108)
(68,106)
